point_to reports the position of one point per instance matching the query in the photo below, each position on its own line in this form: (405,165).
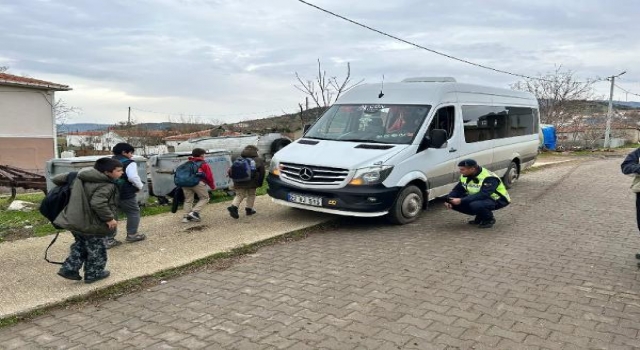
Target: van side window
(445,119)
(482,123)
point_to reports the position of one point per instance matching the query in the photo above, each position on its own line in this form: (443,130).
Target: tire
(278,145)
(407,206)
(511,176)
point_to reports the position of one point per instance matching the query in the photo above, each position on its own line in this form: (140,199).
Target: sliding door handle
(451,150)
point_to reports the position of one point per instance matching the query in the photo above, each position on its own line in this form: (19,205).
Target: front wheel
(511,176)
(407,206)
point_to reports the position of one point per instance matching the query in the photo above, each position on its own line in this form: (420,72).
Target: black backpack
(54,203)
(57,199)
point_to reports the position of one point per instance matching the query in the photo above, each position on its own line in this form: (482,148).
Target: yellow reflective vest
(472,187)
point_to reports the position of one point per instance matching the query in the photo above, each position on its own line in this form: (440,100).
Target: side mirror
(435,139)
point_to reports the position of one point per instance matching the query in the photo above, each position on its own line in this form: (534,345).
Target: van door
(442,162)
(478,137)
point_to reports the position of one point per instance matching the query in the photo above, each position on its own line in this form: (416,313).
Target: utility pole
(607,130)
(129,117)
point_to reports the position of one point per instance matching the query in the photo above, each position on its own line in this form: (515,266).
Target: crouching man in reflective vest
(478,193)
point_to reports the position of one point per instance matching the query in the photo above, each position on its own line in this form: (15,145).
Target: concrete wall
(27,153)
(27,129)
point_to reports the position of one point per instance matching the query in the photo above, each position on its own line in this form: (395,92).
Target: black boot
(233,211)
(102,275)
(475,221)
(249,211)
(70,275)
(487,223)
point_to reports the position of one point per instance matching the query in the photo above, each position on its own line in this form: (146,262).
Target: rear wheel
(407,206)
(511,176)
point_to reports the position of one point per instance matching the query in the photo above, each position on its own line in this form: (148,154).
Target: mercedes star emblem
(306,174)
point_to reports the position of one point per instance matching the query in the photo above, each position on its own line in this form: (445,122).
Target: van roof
(417,91)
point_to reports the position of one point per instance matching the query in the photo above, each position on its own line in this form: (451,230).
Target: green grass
(31,223)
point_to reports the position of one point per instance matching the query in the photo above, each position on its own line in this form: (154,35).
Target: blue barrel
(549,135)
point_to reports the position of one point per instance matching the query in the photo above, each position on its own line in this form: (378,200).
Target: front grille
(310,174)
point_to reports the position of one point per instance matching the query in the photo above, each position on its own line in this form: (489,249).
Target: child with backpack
(195,183)
(90,216)
(247,173)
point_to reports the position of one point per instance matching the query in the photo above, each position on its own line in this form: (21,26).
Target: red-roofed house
(27,122)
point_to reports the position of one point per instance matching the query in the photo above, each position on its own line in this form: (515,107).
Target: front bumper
(365,201)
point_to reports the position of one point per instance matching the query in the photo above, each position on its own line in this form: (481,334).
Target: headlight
(371,175)
(274,167)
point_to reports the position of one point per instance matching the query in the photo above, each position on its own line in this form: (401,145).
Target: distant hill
(281,123)
(81,127)
(630,104)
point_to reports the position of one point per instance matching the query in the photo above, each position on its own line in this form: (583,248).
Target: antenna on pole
(381,88)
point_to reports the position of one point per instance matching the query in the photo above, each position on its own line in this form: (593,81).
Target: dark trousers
(89,252)
(482,209)
(131,209)
(638,209)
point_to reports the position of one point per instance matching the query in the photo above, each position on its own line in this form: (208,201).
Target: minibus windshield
(377,123)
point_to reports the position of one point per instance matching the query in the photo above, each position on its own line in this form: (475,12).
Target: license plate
(302,199)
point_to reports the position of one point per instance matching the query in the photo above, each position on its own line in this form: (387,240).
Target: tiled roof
(14,80)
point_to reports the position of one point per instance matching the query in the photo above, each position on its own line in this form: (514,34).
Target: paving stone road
(556,272)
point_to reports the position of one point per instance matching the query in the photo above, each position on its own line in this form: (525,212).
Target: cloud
(232,58)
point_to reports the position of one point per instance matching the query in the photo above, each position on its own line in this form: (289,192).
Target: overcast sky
(232,60)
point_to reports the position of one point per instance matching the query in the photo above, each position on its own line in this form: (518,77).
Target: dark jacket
(93,202)
(258,176)
(125,188)
(489,187)
(631,164)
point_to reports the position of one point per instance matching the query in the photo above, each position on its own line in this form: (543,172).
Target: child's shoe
(233,211)
(111,242)
(70,275)
(102,275)
(193,216)
(136,237)
(250,211)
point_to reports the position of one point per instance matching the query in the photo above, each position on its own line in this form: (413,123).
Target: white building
(27,121)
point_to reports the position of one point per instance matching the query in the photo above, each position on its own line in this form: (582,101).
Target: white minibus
(389,151)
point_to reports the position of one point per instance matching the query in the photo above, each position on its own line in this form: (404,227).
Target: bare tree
(188,124)
(4,69)
(323,91)
(63,112)
(556,93)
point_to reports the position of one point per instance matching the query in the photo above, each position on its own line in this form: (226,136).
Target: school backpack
(57,199)
(186,174)
(54,203)
(242,169)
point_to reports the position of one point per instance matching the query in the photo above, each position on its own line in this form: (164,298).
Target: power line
(626,91)
(422,47)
